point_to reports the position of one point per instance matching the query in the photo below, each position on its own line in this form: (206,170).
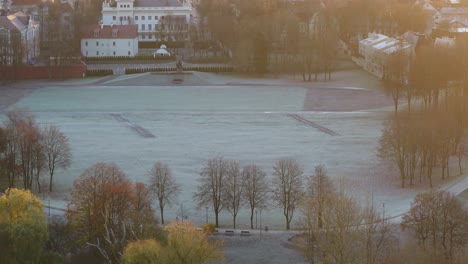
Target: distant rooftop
(26,2)
(157,3)
(454,10)
(109,32)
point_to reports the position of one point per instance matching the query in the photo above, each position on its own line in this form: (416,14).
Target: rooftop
(110,32)
(157,3)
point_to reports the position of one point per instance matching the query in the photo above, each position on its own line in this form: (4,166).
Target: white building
(377,48)
(157,20)
(109,41)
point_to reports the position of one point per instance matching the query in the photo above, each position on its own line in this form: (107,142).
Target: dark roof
(6,23)
(157,3)
(123,32)
(26,2)
(22,17)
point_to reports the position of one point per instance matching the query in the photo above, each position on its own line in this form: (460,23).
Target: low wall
(42,72)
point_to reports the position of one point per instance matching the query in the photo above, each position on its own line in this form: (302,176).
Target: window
(149,26)
(97,53)
(113,53)
(136,17)
(129,43)
(142,17)
(97,43)
(155,17)
(149,17)
(129,53)
(150,36)
(113,44)
(86,53)
(114,18)
(86,43)
(142,27)
(143,36)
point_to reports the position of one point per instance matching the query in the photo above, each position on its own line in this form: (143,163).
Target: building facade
(158,21)
(375,50)
(19,37)
(109,41)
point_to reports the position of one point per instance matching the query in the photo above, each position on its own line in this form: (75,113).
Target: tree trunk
(251,217)
(50,182)
(161,208)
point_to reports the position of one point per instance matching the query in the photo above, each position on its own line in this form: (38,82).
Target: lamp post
(206,214)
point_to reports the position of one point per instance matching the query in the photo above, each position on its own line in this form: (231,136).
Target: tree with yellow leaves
(185,244)
(142,252)
(23,227)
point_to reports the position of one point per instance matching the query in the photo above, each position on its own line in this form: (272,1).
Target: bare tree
(287,186)
(57,151)
(395,76)
(210,190)
(438,218)
(163,185)
(233,190)
(338,237)
(322,190)
(255,187)
(377,234)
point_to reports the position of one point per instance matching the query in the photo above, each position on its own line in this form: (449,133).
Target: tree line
(29,151)
(119,235)
(301,37)
(337,229)
(431,131)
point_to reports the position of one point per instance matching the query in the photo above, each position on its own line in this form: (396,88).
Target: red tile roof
(122,32)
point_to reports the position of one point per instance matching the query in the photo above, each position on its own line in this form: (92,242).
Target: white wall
(106,47)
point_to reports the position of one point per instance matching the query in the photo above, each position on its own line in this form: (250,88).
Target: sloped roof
(122,32)
(454,11)
(13,22)
(26,2)
(6,23)
(18,23)
(157,3)
(22,17)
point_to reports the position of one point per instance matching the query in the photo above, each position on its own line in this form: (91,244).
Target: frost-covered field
(133,126)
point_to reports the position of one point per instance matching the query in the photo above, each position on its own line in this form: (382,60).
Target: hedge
(172,69)
(100,72)
(126,58)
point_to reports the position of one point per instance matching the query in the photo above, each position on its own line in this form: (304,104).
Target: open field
(134,120)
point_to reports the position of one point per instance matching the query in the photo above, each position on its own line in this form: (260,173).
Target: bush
(209,229)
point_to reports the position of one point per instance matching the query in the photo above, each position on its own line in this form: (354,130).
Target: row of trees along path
(433,128)
(224,185)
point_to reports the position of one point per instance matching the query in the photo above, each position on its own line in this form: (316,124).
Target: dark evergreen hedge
(126,58)
(101,72)
(169,69)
